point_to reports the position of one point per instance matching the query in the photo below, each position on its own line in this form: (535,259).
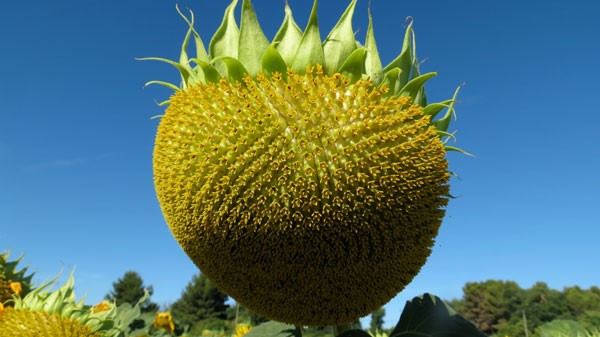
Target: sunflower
(303,177)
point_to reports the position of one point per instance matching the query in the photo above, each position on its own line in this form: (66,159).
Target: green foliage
(590,319)
(377,319)
(560,328)
(489,304)
(502,307)
(199,301)
(130,289)
(274,329)
(581,301)
(543,304)
(241,314)
(209,324)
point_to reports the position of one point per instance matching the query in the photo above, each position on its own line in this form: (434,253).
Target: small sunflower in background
(13,280)
(307,167)
(164,320)
(241,330)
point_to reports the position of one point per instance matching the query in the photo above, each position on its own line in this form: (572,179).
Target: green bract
(237,51)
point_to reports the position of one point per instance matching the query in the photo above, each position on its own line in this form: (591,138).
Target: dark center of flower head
(309,199)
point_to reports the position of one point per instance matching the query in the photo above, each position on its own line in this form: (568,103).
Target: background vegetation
(498,308)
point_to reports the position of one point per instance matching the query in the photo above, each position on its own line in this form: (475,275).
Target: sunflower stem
(339,329)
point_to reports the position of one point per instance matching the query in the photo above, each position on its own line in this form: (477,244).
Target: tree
(200,300)
(490,304)
(377,319)
(130,289)
(542,305)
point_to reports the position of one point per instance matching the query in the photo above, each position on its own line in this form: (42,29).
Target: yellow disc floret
(309,199)
(29,323)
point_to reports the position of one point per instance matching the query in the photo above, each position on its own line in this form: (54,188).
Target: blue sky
(76,136)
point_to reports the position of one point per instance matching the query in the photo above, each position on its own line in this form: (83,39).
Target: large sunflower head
(303,177)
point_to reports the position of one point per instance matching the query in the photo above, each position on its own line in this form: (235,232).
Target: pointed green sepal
(272,62)
(288,37)
(413,87)
(188,76)
(434,109)
(390,80)
(310,50)
(340,42)
(234,70)
(354,66)
(456,149)
(253,42)
(165,84)
(226,39)
(373,65)
(404,60)
(210,73)
(201,53)
(444,122)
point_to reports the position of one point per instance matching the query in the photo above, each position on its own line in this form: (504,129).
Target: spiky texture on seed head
(28,323)
(56,313)
(303,178)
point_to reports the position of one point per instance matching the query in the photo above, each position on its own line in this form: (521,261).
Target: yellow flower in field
(241,330)
(102,306)
(163,320)
(1,308)
(16,287)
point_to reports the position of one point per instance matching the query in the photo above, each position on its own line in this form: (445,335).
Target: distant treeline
(503,308)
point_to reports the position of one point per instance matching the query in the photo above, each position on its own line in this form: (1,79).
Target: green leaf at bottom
(274,329)
(428,315)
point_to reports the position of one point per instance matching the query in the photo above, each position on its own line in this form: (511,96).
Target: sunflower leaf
(429,316)
(274,329)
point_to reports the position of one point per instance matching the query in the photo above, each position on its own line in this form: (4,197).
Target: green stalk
(339,329)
